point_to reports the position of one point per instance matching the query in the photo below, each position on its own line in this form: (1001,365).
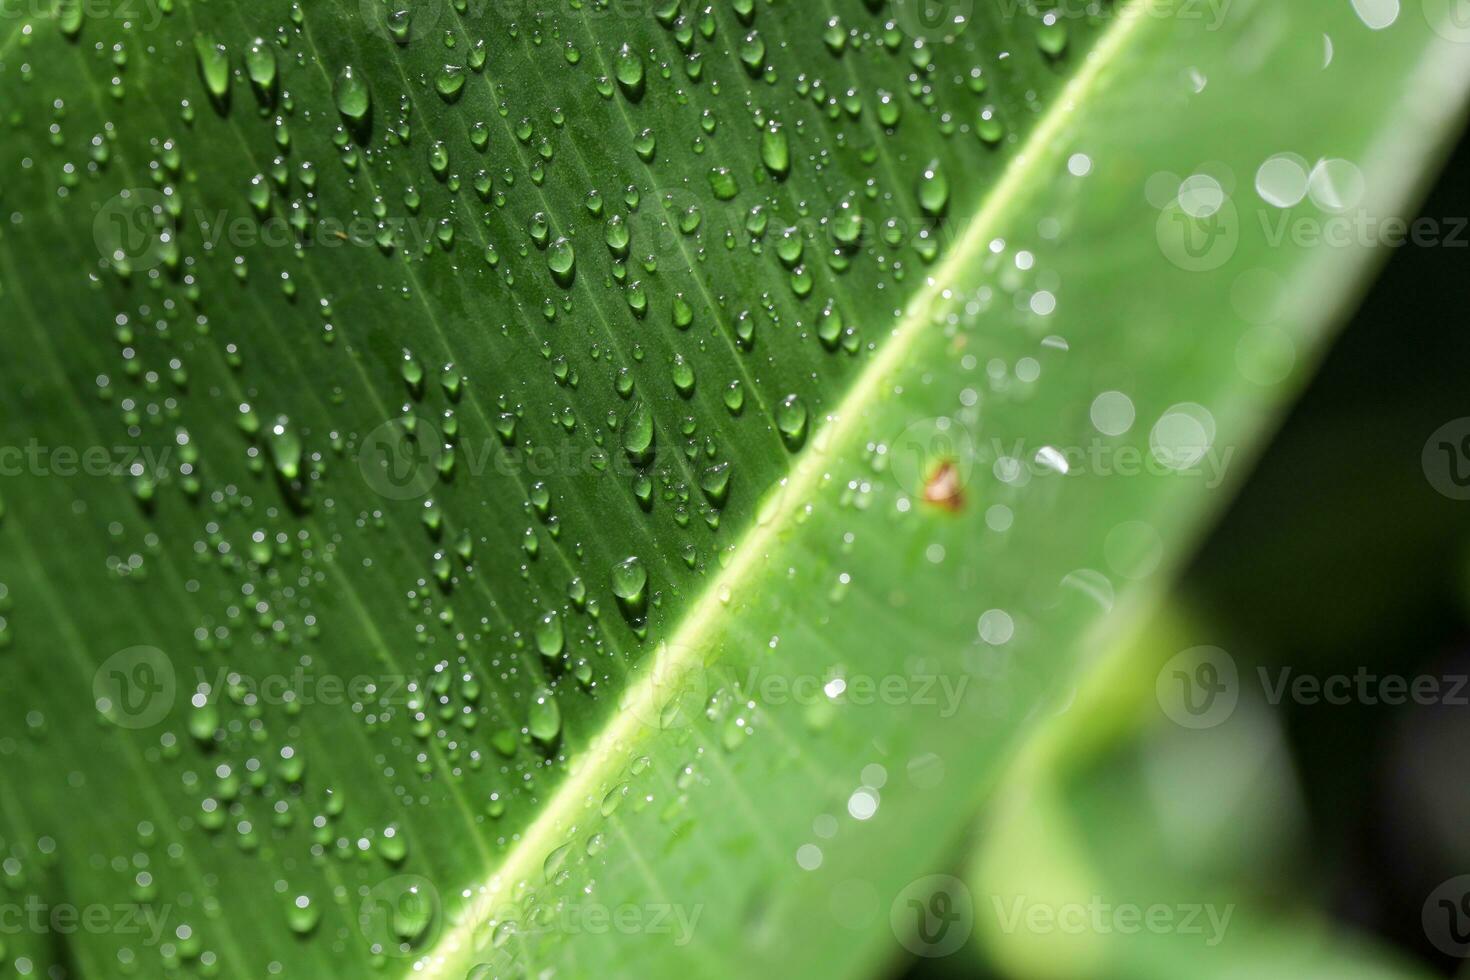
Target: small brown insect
(945,487)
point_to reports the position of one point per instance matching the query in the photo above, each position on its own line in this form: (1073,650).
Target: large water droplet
(352,95)
(545,718)
(791,419)
(638,432)
(550,636)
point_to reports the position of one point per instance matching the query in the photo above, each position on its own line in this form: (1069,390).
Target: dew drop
(352,95)
(791,419)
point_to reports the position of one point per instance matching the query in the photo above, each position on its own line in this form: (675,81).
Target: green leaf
(1156,849)
(574,490)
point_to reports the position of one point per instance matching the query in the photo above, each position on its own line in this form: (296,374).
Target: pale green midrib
(579,789)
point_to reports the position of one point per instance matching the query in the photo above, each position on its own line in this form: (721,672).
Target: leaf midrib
(588,771)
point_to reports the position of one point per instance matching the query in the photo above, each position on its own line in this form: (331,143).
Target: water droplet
(735,396)
(260,64)
(302,915)
(413,373)
(214,65)
(989,127)
(393,845)
(562,261)
(683,375)
(715,482)
(450,82)
(933,190)
(791,419)
(776,150)
(70,15)
(550,636)
(545,717)
(1051,36)
(847,226)
(352,95)
(638,433)
(722,183)
(285,448)
(629,71)
(629,579)
(551,868)
(617,236)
